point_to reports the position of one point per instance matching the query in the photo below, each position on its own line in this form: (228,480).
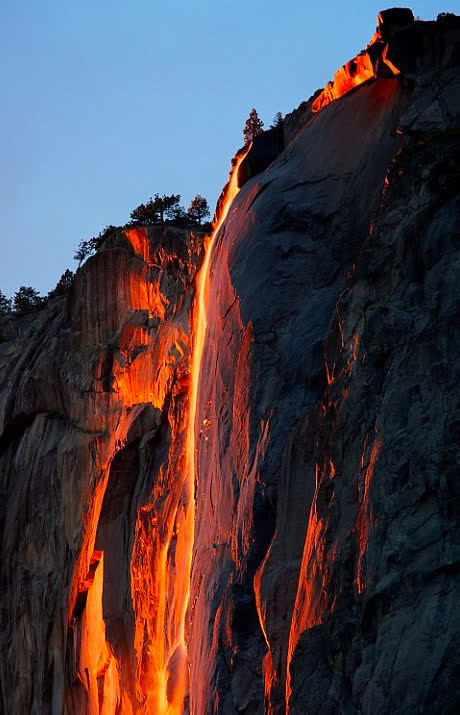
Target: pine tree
(253,126)
(82,252)
(157,210)
(171,206)
(277,121)
(26,299)
(63,285)
(198,209)
(5,304)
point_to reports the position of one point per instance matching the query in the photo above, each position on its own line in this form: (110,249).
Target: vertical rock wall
(94,413)
(323,483)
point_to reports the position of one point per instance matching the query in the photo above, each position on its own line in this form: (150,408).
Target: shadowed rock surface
(325,547)
(324,273)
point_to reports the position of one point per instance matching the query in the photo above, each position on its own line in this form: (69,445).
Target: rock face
(324,545)
(322,524)
(92,465)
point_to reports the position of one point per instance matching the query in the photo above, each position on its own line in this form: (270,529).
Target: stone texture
(319,525)
(93,393)
(277,271)
(378,645)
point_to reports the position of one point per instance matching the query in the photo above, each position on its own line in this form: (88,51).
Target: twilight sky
(107,102)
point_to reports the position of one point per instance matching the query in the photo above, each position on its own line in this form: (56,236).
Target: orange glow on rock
(389,64)
(136,375)
(140,243)
(97,667)
(311,602)
(352,350)
(353,73)
(304,615)
(269,674)
(199,319)
(178,684)
(140,324)
(159,585)
(201,298)
(146,363)
(199,315)
(350,75)
(365,516)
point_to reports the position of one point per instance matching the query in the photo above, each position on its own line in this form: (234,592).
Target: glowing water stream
(175,698)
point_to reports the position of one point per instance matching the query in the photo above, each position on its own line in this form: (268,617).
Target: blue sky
(106,103)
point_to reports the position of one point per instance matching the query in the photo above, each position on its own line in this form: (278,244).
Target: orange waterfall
(199,314)
(165,527)
(179,690)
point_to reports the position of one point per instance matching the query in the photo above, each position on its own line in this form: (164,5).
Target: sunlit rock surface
(325,554)
(94,393)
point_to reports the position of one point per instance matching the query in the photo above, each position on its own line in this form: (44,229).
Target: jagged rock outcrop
(323,524)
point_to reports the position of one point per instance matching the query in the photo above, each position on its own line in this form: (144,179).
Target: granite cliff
(233,488)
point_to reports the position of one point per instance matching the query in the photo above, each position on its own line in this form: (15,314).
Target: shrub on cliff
(253,126)
(63,285)
(27,299)
(5,304)
(448,18)
(88,247)
(198,209)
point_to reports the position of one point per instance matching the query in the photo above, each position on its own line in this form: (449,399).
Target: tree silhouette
(82,252)
(198,209)
(171,206)
(157,210)
(447,17)
(63,285)
(5,304)
(277,121)
(91,245)
(26,299)
(253,126)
